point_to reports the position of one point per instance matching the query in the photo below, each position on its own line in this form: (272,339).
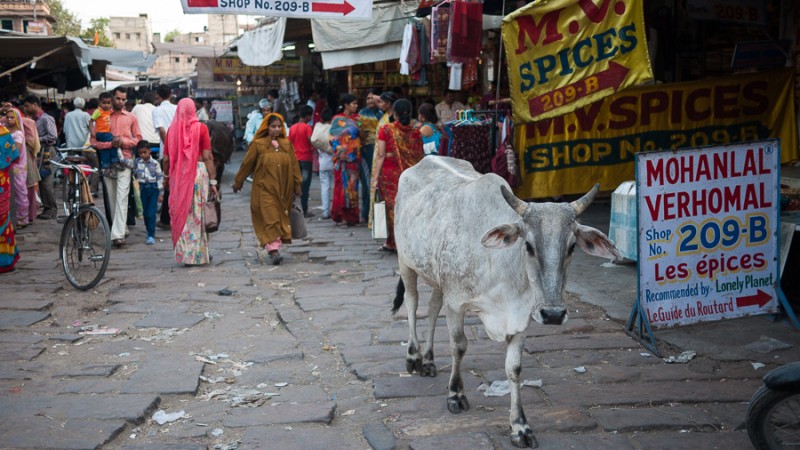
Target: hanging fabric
(412,58)
(407,33)
(465,31)
(440,23)
(455,76)
(469,76)
(470,139)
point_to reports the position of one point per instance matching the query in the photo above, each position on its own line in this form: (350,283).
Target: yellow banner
(597,143)
(564,54)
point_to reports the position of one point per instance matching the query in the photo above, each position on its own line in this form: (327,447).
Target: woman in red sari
(346,147)
(188,161)
(399,146)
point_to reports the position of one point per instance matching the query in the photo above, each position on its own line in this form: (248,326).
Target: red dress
(403,150)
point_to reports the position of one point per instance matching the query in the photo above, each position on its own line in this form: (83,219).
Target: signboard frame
(299,9)
(677,244)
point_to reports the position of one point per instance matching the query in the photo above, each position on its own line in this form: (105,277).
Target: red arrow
(343,8)
(612,77)
(760,298)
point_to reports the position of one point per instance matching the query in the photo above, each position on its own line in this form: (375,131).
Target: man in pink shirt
(125,132)
(300,137)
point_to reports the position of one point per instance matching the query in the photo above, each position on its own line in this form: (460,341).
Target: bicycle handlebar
(73,166)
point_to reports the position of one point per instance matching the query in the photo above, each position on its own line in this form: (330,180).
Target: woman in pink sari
(190,167)
(18,169)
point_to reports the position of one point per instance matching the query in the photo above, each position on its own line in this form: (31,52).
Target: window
(128,36)
(177,60)
(138,35)
(25,25)
(7,24)
(117,36)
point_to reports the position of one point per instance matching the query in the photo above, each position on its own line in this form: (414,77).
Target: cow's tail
(398,297)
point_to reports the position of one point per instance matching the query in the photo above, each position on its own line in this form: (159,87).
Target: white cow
(484,250)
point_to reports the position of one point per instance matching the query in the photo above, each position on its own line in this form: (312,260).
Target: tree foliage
(99,27)
(170,37)
(67,24)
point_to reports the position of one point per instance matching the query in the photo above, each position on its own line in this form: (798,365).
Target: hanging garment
(414,63)
(465,32)
(407,34)
(263,46)
(440,23)
(469,76)
(471,142)
(455,76)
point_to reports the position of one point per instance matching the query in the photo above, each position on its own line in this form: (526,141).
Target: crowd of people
(163,147)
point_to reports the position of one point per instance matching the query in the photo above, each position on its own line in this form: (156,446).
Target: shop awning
(61,62)
(264,45)
(347,42)
(124,60)
(198,51)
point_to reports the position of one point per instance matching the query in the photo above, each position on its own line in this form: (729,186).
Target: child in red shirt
(300,137)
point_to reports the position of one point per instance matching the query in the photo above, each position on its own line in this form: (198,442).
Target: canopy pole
(37,58)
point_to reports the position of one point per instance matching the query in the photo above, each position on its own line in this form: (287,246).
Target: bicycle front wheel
(85,248)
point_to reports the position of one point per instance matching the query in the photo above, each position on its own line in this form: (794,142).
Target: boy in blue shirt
(150,177)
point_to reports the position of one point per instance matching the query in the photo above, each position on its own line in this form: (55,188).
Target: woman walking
(19,169)
(276,181)
(346,146)
(399,147)
(191,176)
(8,241)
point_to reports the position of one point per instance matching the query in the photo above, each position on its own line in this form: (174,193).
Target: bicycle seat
(75,159)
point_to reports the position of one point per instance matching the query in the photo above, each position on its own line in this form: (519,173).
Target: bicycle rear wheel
(85,248)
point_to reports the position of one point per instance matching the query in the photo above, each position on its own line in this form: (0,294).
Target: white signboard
(223,110)
(301,9)
(708,227)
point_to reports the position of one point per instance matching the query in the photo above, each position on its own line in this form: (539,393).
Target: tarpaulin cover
(263,46)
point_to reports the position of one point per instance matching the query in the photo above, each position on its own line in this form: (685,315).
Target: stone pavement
(307,355)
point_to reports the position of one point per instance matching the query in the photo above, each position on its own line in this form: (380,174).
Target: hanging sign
(597,143)
(708,221)
(746,12)
(564,54)
(300,9)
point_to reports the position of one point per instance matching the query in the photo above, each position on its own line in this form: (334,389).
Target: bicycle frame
(75,174)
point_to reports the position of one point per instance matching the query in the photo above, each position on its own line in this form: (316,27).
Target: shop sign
(300,9)
(564,54)
(598,142)
(37,28)
(224,110)
(746,12)
(235,67)
(708,232)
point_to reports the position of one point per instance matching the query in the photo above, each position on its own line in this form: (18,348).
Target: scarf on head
(183,149)
(265,141)
(31,135)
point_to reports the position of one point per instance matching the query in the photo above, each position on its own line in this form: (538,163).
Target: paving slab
(17,319)
(165,373)
(169,320)
(284,413)
(306,437)
(43,432)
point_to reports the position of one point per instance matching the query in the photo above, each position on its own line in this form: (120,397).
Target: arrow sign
(760,298)
(343,8)
(612,77)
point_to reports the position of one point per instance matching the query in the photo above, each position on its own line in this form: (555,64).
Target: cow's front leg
(521,432)
(428,367)
(456,401)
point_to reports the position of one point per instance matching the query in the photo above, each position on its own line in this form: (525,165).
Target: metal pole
(37,58)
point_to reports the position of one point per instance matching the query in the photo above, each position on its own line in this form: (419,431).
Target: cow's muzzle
(553,316)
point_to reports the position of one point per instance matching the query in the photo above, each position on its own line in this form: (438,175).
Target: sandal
(384,248)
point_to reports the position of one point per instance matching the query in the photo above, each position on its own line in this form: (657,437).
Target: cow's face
(549,233)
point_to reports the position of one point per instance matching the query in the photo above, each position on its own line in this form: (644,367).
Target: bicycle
(85,245)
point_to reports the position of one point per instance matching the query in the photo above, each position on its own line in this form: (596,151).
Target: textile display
(440,23)
(465,31)
(471,142)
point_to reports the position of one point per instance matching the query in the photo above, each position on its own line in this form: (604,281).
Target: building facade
(132,33)
(23,17)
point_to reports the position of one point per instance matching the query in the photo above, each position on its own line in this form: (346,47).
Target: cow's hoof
(457,404)
(414,365)
(524,438)
(428,370)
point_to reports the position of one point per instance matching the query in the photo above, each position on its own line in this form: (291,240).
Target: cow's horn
(516,204)
(582,203)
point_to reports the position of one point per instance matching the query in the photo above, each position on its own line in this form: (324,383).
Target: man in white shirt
(162,119)
(144,115)
(446,109)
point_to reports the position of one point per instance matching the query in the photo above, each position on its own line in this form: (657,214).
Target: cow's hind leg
(456,400)
(521,432)
(411,299)
(435,305)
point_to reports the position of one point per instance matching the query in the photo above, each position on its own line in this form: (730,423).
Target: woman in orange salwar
(399,146)
(276,181)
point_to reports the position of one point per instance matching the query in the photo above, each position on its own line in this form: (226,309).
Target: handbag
(379,229)
(297,222)
(210,213)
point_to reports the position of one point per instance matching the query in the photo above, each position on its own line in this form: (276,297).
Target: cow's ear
(594,242)
(501,236)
